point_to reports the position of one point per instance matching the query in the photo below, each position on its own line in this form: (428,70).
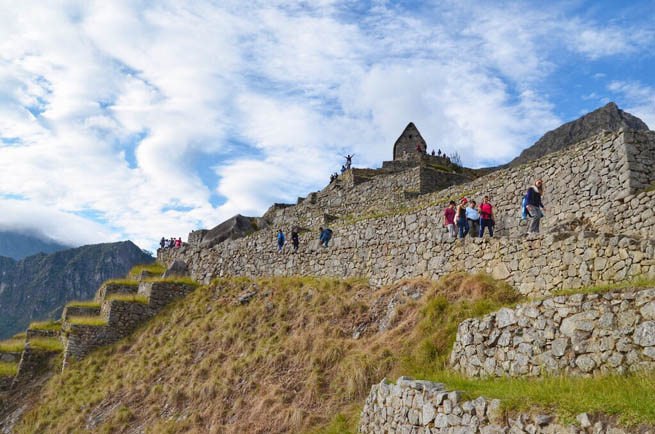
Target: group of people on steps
(324,237)
(471,220)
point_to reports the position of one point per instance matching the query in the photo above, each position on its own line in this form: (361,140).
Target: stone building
(407,143)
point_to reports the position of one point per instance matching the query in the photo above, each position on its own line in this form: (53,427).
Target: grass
(88,320)
(49,325)
(12,346)
(175,279)
(8,369)
(126,281)
(154,268)
(132,298)
(47,344)
(83,303)
(287,361)
(628,397)
(20,335)
(638,282)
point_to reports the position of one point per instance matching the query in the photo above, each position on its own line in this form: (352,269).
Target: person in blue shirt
(473,217)
(325,236)
(280,241)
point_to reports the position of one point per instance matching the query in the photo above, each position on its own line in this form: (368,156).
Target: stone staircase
(118,308)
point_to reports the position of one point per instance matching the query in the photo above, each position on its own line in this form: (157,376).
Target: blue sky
(137,119)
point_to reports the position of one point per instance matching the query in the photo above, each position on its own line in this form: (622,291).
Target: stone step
(116,287)
(73,310)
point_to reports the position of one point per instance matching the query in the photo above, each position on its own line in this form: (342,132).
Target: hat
(464,199)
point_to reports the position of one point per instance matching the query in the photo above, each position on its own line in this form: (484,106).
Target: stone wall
(32,362)
(422,407)
(108,289)
(578,334)
(70,311)
(587,193)
(121,317)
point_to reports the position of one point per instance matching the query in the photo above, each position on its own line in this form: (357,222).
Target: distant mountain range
(20,245)
(38,286)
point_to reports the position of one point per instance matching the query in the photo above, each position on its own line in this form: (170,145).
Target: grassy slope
(287,362)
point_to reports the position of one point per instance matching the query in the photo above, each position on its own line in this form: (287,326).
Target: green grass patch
(175,279)
(8,369)
(83,303)
(132,298)
(154,268)
(88,320)
(125,281)
(12,346)
(47,344)
(20,335)
(629,397)
(49,325)
(638,282)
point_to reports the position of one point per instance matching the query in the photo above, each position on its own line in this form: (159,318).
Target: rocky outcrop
(231,229)
(580,334)
(39,286)
(606,118)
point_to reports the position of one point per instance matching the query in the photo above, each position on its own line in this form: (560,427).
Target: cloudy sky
(137,119)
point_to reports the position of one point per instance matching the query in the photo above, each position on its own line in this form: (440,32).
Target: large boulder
(231,229)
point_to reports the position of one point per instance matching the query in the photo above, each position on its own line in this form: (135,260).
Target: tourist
(294,239)
(343,169)
(449,220)
(439,153)
(462,223)
(433,152)
(486,217)
(280,241)
(534,205)
(324,237)
(473,217)
(178,242)
(349,160)
(418,148)
(162,242)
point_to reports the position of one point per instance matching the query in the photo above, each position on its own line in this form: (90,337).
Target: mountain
(37,287)
(609,117)
(19,245)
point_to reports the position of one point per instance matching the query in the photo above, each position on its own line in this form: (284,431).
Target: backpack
(328,234)
(524,207)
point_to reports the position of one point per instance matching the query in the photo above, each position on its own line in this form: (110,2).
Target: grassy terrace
(46,344)
(20,335)
(176,279)
(83,303)
(8,369)
(132,298)
(87,320)
(154,268)
(128,282)
(298,331)
(12,346)
(49,325)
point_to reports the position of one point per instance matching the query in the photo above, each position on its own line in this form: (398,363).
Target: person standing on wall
(449,220)
(280,241)
(534,205)
(486,217)
(462,223)
(473,217)
(294,239)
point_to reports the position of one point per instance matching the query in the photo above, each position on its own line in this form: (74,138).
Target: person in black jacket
(534,205)
(294,239)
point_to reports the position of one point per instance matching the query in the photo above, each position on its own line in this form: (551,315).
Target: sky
(142,119)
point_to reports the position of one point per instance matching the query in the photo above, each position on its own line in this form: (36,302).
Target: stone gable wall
(580,334)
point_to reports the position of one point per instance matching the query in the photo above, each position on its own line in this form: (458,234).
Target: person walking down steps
(534,205)
(325,236)
(294,239)
(462,223)
(280,241)
(449,220)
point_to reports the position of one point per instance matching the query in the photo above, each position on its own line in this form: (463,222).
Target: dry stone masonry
(423,407)
(579,334)
(600,229)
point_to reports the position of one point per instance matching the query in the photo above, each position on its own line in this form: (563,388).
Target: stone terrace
(598,212)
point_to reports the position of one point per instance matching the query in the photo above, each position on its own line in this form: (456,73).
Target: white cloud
(271,93)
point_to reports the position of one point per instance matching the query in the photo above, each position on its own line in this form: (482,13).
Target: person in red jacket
(486,217)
